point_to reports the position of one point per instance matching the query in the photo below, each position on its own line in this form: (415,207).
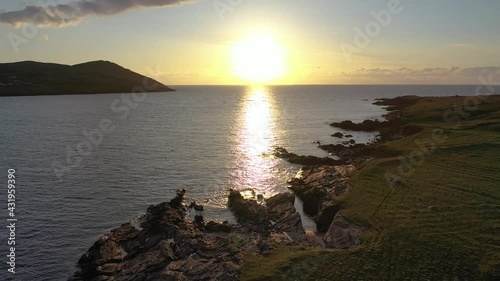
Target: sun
(258,58)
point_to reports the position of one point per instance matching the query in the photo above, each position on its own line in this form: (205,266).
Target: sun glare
(258,58)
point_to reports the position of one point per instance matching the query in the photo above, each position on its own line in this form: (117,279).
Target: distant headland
(31,78)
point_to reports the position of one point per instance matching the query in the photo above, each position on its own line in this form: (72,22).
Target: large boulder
(342,234)
(287,220)
(276,221)
(217,227)
(248,211)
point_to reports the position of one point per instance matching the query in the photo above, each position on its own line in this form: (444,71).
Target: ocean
(86,164)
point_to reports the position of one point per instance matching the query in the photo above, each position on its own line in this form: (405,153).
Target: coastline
(328,194)
(414,211)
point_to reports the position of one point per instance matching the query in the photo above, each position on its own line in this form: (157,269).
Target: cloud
(59,15)
(424,75)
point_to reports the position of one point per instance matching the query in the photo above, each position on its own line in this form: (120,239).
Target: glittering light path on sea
(254,142)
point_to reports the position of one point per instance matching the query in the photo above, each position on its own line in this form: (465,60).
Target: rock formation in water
(308,160)
(169,246)
(166,246)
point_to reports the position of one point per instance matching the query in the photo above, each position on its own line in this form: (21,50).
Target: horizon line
(312,84)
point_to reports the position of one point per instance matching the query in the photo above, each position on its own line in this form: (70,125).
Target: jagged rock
(282,210)
(103,251)
(169,247)
(199,219)
(178,200)
(351,152)
(212,226)
(312,200)
(366,125)
(304,160)
(248,212)
(283,225)
(295,181)
(338,135)
(169,275)
(110,252)
(326,215)
(281,202)
(318,187)
(326,176)
(342,234)
(314,240)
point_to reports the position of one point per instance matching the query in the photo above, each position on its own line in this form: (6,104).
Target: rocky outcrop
(349,152)
(392,128)
(318,188)
(215,227)
(284,217)
(342,233)
(304,160)
(355,153)
(330,179)
(366,125)
(327,212)
(249,212)
(276,221)
(397,105)
(168,247)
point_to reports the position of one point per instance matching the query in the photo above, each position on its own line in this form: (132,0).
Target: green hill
(34,78)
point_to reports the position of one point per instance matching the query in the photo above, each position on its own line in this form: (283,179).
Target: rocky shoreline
(169,246)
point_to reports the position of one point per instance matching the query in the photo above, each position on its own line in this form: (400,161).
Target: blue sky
(188,43)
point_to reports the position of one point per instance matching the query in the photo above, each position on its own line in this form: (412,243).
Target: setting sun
(258,58)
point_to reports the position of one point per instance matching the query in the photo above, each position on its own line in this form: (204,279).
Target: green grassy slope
(442,222)
(34,78)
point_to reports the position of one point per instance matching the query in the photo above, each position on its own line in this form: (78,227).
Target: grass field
(439,221)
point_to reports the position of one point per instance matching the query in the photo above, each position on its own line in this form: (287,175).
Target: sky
(181,42)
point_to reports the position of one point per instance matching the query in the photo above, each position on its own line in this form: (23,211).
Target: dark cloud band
(72,13)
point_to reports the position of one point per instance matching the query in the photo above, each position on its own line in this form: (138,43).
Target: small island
(31,78)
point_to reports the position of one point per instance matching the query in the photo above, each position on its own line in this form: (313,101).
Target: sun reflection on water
(256,136)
